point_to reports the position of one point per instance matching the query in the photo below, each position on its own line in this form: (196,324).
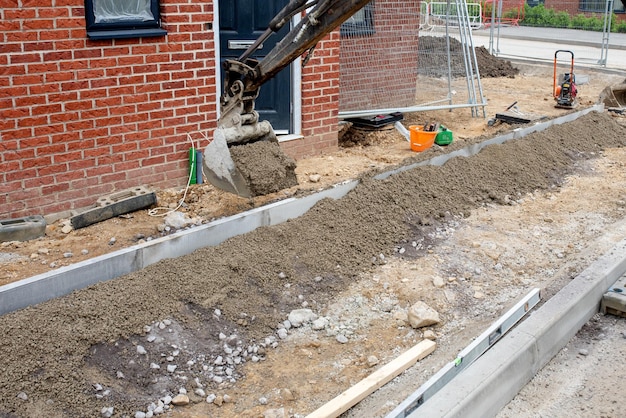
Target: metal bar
(411,109)
(466,357)
(606,30)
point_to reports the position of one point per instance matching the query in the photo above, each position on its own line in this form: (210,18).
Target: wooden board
(358,392)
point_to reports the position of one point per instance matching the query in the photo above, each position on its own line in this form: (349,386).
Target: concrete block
(22,229)
(114,205)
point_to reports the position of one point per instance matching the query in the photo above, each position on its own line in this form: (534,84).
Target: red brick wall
(81,118)
(571,7)
(370,64)
(320,101)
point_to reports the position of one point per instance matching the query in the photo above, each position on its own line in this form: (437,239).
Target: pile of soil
(433,59)
(58,350)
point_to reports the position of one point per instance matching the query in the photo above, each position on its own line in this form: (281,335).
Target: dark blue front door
(241,22)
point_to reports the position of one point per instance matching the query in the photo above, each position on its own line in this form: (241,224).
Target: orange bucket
(421,140)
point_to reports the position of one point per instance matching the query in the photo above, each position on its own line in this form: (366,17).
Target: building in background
(97,96)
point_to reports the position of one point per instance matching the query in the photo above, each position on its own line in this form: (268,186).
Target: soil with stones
(265,167)
(469,238)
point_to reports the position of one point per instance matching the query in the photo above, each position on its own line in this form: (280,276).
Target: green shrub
(549,18)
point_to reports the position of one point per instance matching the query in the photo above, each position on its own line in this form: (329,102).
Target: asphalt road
(540,44)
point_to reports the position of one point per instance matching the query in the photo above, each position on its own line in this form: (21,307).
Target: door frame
(295,101)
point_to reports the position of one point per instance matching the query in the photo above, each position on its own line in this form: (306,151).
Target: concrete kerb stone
(485,387)
(62,281)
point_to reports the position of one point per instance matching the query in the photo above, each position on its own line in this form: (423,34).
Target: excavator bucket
(614,96)
(248,161)
(220,169)
(244,157)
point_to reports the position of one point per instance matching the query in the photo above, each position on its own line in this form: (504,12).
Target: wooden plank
(358,392)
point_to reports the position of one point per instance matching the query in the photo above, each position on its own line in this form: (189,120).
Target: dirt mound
(249,284)
(433,59)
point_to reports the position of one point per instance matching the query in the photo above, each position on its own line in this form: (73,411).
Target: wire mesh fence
(405,54)
(390,60)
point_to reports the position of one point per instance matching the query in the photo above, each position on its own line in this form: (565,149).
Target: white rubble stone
(107,412)
(372,360)
(401,317)
(141,350)
(315,178)
(140,414)
(210,398)
(439,282)
(421,315)
(282,333)
(275,413)
(177,220)
(297,317)
(430,335)
(320,323)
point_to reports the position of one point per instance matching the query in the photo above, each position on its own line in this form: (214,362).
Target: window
(600,6)
(533,3)
(361,23)
(116,19)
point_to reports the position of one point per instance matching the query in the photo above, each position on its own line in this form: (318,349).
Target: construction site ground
(469,239)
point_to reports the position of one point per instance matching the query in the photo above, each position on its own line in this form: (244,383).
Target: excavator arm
(239,122)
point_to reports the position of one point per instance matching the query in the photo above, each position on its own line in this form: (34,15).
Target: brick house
(88,108)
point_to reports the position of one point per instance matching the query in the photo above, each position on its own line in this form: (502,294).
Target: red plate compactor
(565,90)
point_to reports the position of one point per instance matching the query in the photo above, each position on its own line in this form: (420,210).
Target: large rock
(421,315)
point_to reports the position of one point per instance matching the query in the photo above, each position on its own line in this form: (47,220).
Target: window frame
(598,6)
(126,28)
(360,28)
